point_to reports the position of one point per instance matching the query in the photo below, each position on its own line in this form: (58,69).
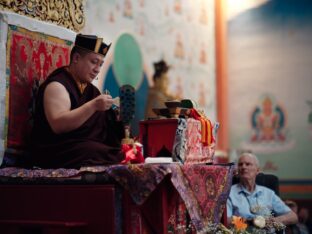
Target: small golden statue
(158,94)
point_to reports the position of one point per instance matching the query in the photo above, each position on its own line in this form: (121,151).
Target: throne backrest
(32,49)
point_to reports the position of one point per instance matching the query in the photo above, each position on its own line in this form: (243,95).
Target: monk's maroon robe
(95,142)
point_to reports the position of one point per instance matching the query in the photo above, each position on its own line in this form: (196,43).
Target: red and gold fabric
(196,151)
(206,127)
(31,56)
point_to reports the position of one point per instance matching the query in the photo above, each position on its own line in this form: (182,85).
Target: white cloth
(158,160)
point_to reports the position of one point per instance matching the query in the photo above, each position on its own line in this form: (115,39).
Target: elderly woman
(249,200)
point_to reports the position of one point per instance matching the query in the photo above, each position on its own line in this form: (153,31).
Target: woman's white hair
(251,155)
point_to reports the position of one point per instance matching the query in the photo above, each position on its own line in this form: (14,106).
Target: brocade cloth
(203,188)
(31,56)
(188,147)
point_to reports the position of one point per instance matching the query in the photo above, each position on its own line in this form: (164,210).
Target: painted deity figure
(203,19)
(178,6)
(202,55)
(268,122)
(128,9)
(179,48)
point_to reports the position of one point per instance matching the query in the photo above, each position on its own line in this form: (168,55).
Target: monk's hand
(103,102)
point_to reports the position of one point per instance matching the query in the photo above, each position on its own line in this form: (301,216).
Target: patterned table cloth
(203,188)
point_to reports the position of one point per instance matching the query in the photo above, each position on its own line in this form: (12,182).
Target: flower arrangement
(259,225)
(240,226)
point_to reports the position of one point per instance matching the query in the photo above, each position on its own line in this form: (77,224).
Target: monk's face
(247,168)
(88,66)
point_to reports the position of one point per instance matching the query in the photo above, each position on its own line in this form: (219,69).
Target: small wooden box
(156,134)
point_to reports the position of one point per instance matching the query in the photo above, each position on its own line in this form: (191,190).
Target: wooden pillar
(221,74)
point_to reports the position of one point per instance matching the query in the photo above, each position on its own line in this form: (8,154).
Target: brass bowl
(174,112)
(173,104)
(161,112)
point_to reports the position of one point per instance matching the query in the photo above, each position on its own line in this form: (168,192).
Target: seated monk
(74,124)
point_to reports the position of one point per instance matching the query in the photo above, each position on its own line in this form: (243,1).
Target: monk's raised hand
(103,102)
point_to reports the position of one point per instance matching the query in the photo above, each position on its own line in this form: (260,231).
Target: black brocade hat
(92,43)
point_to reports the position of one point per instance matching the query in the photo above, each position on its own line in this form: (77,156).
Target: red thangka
(31,56)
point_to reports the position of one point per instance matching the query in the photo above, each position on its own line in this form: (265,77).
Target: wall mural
(269,128)
(270,60)
(179,32)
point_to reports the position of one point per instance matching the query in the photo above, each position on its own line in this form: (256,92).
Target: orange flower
(239,223)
